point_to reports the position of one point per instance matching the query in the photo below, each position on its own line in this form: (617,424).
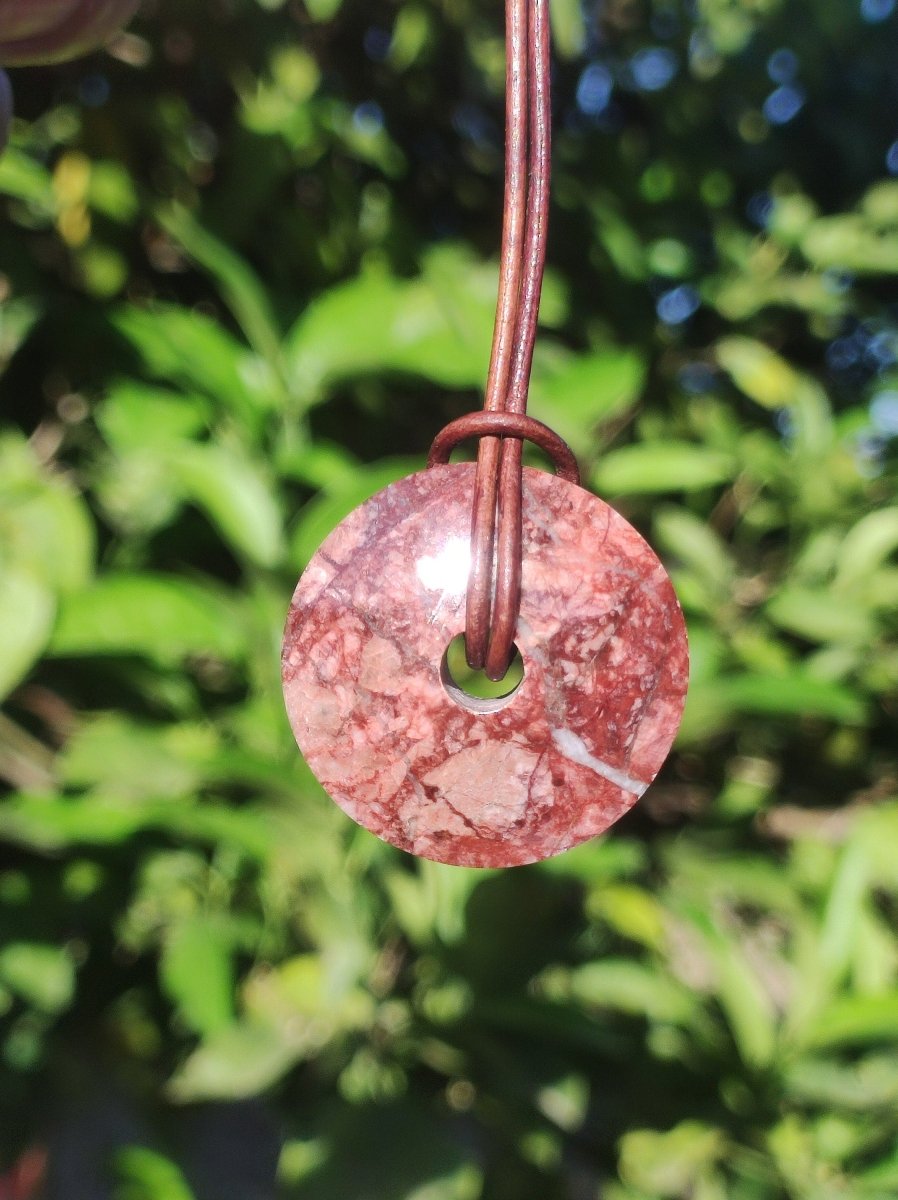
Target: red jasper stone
(485,783)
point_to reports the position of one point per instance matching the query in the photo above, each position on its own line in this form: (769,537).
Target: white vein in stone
(574,748)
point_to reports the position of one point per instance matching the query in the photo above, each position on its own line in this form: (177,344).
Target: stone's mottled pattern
(605,658)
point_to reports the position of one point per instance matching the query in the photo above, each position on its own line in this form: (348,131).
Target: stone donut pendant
(484,783)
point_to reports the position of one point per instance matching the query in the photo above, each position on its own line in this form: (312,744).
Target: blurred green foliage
(249,268)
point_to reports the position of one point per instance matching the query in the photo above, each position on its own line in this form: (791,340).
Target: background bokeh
(248,265)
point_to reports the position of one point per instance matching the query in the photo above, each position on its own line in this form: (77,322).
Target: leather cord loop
(516,426)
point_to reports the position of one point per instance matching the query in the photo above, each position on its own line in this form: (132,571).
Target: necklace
(513,557)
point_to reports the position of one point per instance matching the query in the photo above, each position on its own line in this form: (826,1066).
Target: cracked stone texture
(605,660)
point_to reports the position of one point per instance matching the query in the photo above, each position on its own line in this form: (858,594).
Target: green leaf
(630,911)
(17,319)
(583,390)
(323,10)
(880,204)
(759,372)
(670,1164)
(135,416)
(568,27)
(848,243)
(187,349)
(196,972)
(661,467)
(794,695)
(697,546)
(235,1062)
(765,377)
(396,325)
(147,1175)
(412,31)
(48,824)
(437,325)
(113,192)
(867,545)
(616,234)
(431,904)
(713,702)
(240,288)
(45,526)
(28,180)
(882,1176)
(598,860)
(136,493)
(855,1021)
(744,879)
(820,616)
(132,760)
(163,617)
(842,920)
(42,975)
(873,1081)
(237,497)
(26,618)
(744,999)
(320,465)
(629,987)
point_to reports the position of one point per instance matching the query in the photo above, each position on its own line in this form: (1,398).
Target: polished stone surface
(484,783)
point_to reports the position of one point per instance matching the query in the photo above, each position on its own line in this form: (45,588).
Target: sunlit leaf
(695,544)
(26,618)
(820,616)
(759,372)
(239,286)
(237,1061)
(148,1175)
(323,10)
(670,1164)
(134,416)
(856,1021)
(867,545)
(579,392)
(190,350)
(791,695)
(43,975)
(628,987)
(27,179)
(197,973)
(236,495)
(45,526)
(568,27)
(166,618)
(132,759)
(661,467)
(437,325)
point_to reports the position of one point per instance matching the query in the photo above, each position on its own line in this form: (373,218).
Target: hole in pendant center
(474,690)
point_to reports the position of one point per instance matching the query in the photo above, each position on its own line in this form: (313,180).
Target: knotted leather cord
(494,582)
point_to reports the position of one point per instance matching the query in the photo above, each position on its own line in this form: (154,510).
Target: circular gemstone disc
(484,783)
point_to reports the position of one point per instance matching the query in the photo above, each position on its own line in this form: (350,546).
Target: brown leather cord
(483,519)
(513,426)
(494,582)
(507,586)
